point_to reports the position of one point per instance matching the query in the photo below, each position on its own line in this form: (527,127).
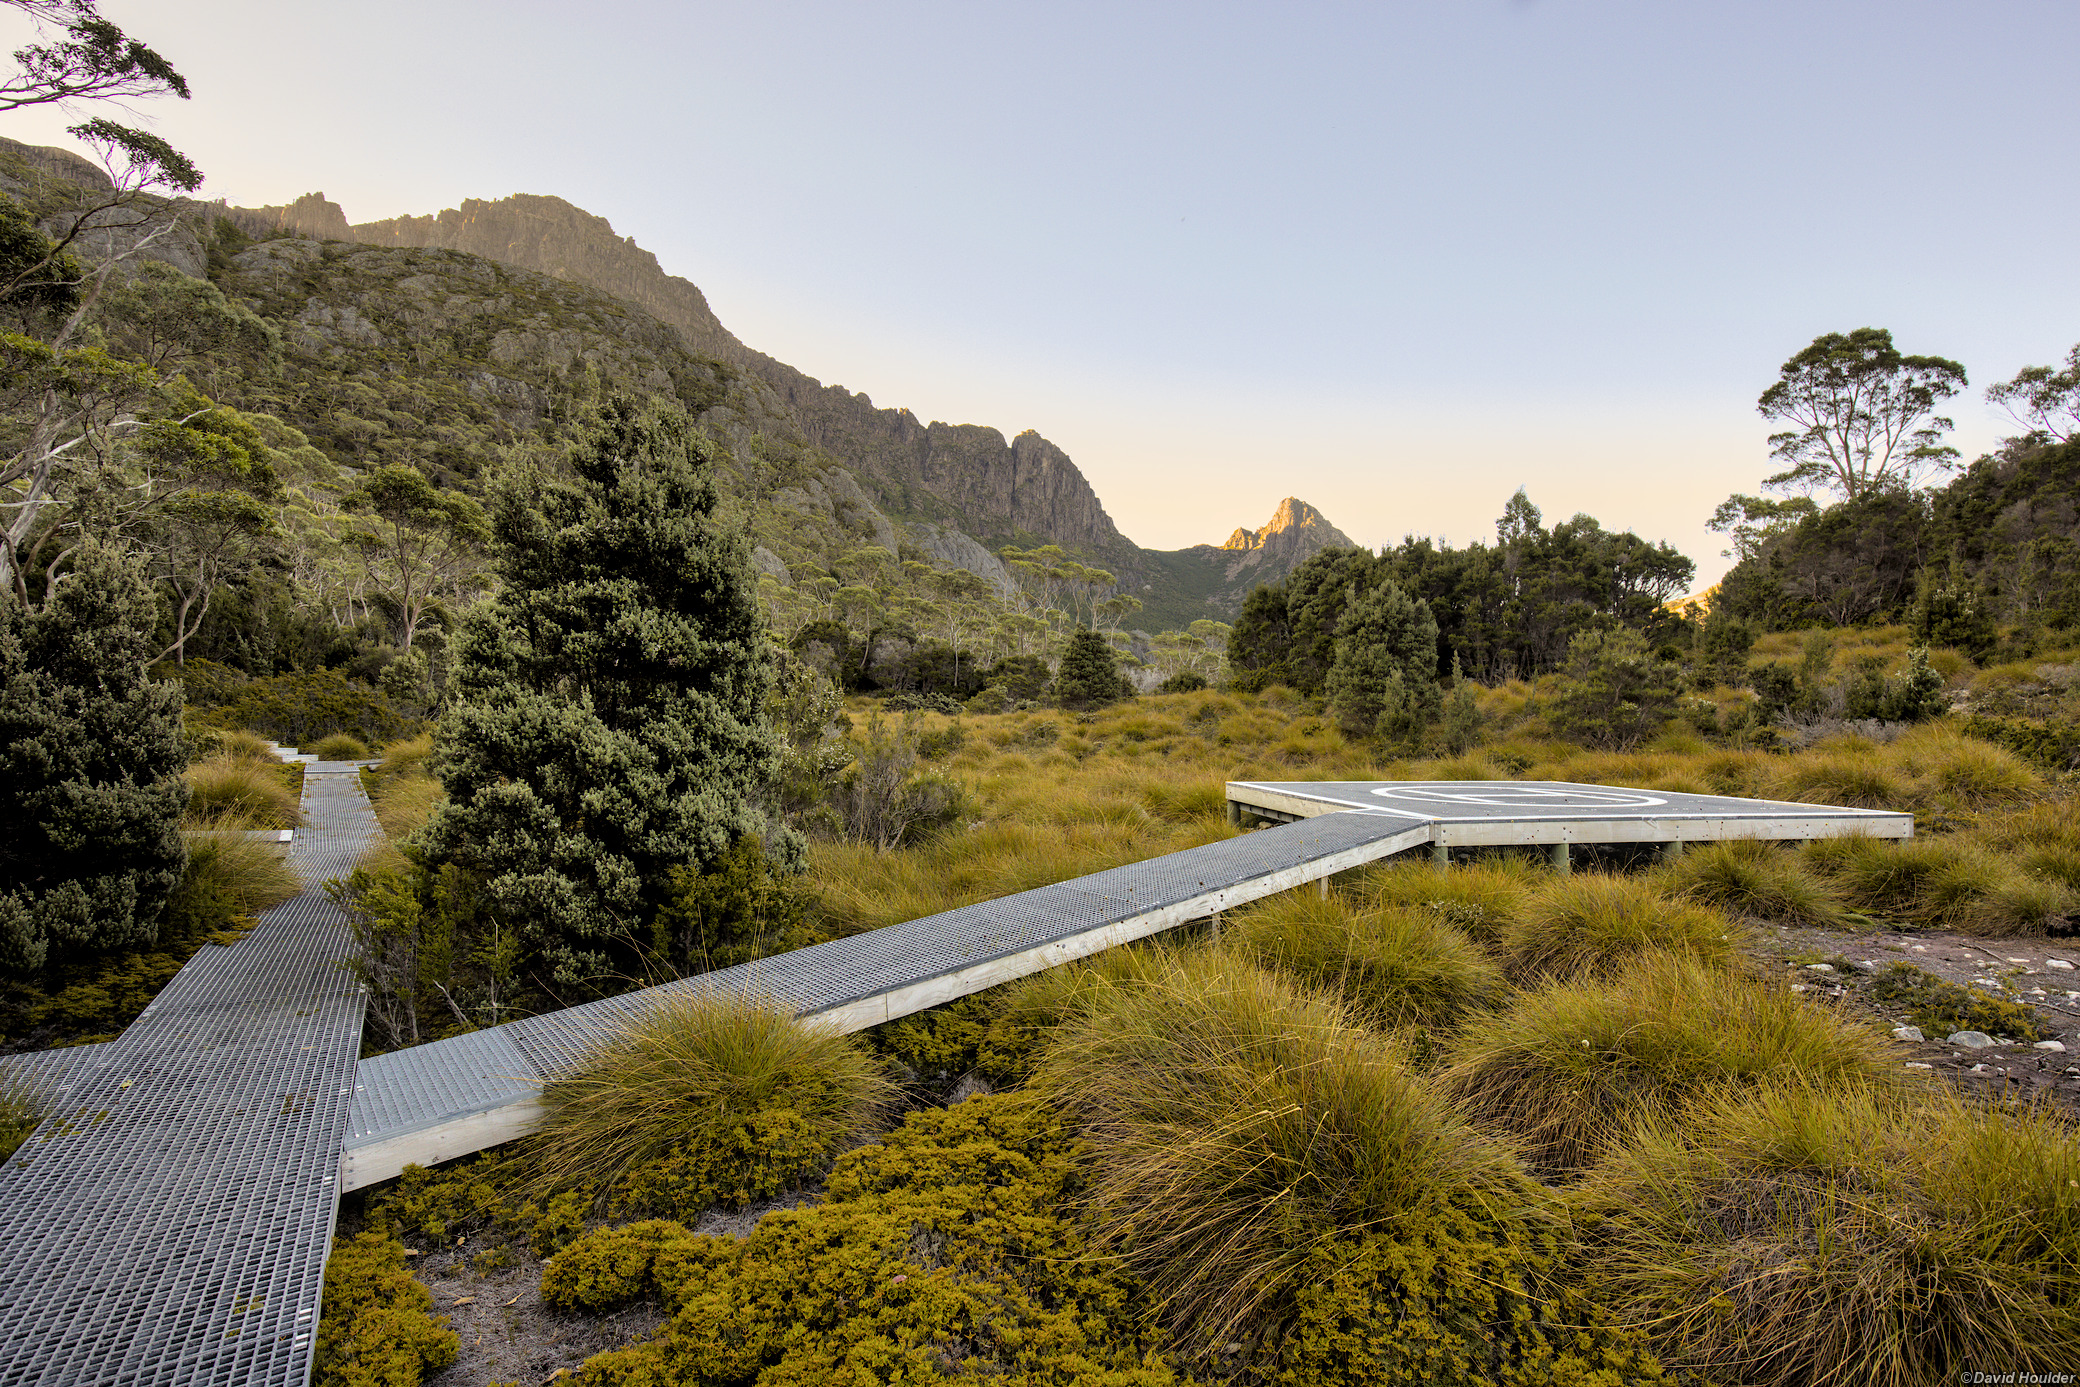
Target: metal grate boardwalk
(428,1103)
(170,1223)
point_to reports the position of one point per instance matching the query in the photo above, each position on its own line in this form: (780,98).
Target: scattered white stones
(1917,1064)
(1866,965)
(1971,1040)
(2055,1047)
(2018,960)
(1912,1033)
(1920,948)
(1979,1069)
(1800,987)
(2064,963)
(1819,967)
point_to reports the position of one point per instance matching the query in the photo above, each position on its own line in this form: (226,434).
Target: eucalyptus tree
(2044,400)
(1862,415)
(415,540)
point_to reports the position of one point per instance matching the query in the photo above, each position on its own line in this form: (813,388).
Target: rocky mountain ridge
(964,473)
(953,492)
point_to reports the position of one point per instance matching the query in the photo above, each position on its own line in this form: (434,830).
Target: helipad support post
(1671,850)
(1441,857)
(1560,861)
(1323,883)
(1234,813)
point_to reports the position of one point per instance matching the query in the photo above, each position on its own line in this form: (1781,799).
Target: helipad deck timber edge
(1484,813)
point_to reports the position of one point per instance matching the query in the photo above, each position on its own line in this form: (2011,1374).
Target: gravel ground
(2015,970)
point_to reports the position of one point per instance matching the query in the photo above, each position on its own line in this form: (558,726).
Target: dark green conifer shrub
(1089,676)
(1615,694)
(610,727)
(91,754)
(1382,681)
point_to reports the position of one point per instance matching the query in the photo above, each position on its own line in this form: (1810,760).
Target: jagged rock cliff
(1295,531)
(948,472)
(954,492)
(1205,580)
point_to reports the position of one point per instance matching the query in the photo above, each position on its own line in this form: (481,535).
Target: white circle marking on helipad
(1521,796)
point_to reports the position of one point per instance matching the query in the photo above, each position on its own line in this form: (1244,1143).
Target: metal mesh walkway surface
(430,1102)
(169,1224)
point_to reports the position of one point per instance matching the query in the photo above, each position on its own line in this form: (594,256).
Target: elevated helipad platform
(1487,813)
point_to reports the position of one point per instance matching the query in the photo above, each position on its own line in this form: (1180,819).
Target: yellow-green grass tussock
(1596,922)
(1567,1069)
(228,791)
(1395,967)
(1237,1123)
(1796,1235)
(706,1098)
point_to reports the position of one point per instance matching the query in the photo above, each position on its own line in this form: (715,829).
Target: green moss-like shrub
(1749,877)
(1567,1069)
(706,1099)
(1395,967)
(945,1249)
(1795,1237)
(1597,922)
(483,1197)
(1940,1008)
(1250,1145)
(992,1035)
(377,1329)
(1448,1303)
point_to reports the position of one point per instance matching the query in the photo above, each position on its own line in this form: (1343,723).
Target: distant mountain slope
(962,479)
(967,473)
(1206,580)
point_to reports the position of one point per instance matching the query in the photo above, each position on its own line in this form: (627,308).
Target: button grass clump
(1299,1204)
(706,1099)
(1795,1236)
(1568,1069)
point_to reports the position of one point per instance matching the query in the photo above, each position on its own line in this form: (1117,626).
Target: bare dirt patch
(2021,970)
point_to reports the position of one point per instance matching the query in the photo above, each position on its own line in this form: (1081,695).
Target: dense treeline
(1501,611)
(1996,546)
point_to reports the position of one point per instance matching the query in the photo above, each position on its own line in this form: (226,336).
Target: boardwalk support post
(1440,857)
(1561,864)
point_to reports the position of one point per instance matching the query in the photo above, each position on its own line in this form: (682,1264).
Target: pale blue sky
(1396,259)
